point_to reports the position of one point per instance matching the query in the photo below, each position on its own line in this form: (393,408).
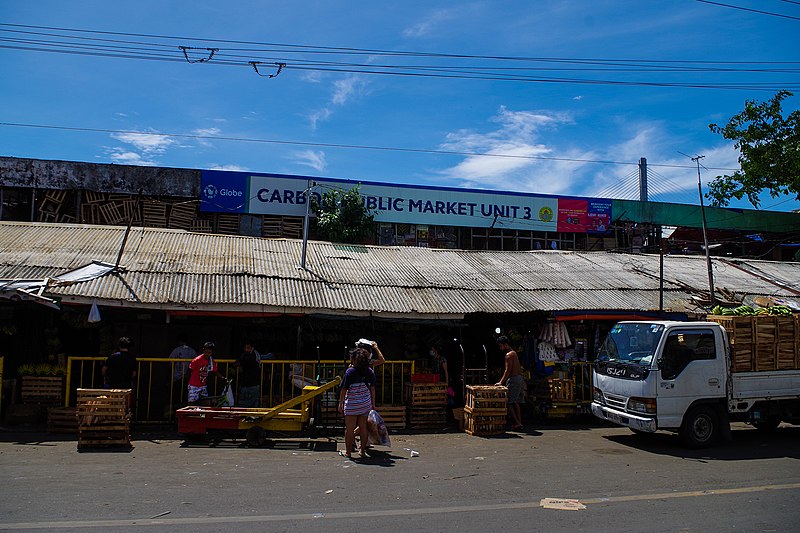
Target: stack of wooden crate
(485,410)
(104,417)
(62,420)
(42,390)
(762,342)
(393,415)
(427,405)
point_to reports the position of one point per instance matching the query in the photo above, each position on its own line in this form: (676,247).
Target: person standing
(375,355)
(199,369)
(512,378)
(182,351)
(119,369)
(356,400)
(249,365)
(439,365)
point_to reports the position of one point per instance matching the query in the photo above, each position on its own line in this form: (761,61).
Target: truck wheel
(256,436)
(768,424)
(700,427)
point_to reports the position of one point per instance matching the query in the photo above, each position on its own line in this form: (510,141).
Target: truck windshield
(631,343)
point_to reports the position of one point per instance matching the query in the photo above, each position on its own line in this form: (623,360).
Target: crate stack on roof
(104,417)
(485,410)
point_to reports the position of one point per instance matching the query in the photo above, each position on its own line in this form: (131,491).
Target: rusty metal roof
(176,269)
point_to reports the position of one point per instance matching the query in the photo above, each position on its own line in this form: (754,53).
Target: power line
(748,9)
(334,145)
(138,49)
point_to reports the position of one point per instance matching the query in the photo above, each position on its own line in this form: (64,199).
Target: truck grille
(617,402)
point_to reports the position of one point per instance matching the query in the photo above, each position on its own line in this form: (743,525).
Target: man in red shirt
(199,370)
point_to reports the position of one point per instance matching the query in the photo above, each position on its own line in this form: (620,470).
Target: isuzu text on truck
(685,377)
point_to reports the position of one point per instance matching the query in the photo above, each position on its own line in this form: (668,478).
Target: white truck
(677,376)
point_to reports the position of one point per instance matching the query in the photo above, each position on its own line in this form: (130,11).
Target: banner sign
(270,194)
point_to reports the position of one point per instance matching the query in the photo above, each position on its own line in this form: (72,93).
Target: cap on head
(125,342)
(209,344)
(502,339)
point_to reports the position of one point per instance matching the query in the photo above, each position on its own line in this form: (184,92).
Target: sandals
(345,454)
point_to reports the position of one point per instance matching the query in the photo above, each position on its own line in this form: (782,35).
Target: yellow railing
(157,394)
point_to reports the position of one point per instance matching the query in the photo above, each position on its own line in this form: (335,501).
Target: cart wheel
(256,436)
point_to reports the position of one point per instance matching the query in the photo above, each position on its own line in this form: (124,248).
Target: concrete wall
(127,179)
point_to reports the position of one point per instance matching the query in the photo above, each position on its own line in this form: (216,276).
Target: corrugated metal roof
(176,269)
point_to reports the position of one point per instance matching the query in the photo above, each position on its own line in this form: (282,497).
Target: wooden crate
(481,425)
(102,405)
(742,358)
(786,355)
(425,394)
(486,397)
(62,420)
(561,390)
(108,434)
(765,329)
(42,389)
(765,357)
(393,415)
(739,328)
(427,417)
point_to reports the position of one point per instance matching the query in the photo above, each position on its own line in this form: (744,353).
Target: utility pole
(307,193)
(697,159)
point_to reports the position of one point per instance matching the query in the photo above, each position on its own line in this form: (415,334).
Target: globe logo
(210,192)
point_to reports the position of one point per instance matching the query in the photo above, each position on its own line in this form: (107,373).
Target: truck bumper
(638,423)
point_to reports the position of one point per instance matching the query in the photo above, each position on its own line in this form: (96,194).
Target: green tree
(341,216)
(769,153)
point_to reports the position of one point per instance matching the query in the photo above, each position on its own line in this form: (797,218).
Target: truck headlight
(645,406)
(597,394)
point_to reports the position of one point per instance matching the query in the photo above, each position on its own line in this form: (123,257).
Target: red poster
(573,215)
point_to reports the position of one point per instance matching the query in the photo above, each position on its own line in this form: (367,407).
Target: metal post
(661,243)
(697,159)
(307,193)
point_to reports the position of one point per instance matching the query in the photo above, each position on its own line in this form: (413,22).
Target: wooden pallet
(393,415)
(425,394)
(228,224)
(62,420)
(154,214)
(92,197)
(427,417)
(182,215)
(111,213)
(482,425)
(42,389)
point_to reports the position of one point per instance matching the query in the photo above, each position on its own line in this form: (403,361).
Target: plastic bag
(94,313)
(376,428)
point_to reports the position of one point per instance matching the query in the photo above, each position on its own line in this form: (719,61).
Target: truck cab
(664,375)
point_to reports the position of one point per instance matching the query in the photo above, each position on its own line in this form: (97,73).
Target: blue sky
(579,136)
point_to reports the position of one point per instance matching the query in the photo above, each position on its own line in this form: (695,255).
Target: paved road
(457,482)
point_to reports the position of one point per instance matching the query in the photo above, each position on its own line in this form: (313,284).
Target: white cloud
(317,116)
(579,97)
(311,158)
(146,142)
(129,158)
(344,90)
(235,168)
(429,24)
(207,132)
(517,135)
